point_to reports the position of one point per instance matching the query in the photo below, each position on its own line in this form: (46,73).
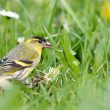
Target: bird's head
(38,42)
(41,41)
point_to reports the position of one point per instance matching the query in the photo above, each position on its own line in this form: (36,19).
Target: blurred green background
(79,31)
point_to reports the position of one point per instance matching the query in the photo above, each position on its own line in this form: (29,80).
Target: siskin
(21,60)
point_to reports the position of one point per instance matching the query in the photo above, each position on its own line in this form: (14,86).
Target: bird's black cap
(40,38)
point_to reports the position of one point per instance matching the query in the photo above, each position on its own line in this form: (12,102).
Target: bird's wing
(2,61)
(13,66)
(22,51)
(19,58)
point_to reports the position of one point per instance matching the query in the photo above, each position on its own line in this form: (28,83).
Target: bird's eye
(40,41)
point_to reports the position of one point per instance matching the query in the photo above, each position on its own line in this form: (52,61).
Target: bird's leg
(37,80)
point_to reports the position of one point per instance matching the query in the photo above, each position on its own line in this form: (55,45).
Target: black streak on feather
(14,64)
(26,61)
(3,60)
(40,38)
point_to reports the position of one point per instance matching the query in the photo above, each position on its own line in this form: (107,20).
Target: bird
(22,59)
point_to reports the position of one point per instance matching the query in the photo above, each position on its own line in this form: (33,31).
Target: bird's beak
(47,45)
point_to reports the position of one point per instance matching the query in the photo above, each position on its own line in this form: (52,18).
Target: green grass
(72,26)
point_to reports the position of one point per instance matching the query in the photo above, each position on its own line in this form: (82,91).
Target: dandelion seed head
(9,14)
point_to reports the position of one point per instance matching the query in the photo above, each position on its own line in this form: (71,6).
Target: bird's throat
(39,50)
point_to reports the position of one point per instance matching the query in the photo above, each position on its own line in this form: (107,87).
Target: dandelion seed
(66,26)
(53,73)
(73,52)
(20,39)
(9,14)
(75,62)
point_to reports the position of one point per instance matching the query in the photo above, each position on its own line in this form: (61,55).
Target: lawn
(79,31)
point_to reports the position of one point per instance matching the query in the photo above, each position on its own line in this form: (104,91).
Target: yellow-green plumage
(21,60)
